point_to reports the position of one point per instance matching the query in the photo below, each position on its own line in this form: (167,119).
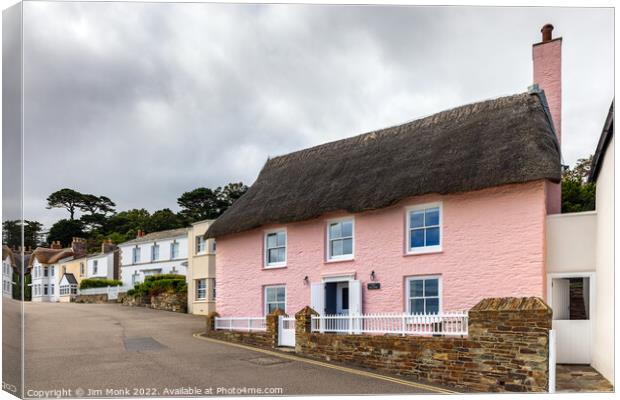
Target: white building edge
(580,270)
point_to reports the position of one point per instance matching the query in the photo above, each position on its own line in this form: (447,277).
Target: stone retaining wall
(176,302)
(91,298)
(506,350)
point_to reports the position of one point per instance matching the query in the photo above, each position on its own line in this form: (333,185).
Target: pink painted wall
(547,62)
(493,245)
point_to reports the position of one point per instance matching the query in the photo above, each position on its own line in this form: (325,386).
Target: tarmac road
(104,350)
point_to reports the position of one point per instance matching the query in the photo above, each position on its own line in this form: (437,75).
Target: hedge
(99,282)
(156,284)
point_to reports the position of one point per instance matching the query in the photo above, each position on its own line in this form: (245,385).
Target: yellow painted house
(72,271)
(200,270)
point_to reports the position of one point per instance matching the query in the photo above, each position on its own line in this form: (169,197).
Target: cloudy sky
(143,101)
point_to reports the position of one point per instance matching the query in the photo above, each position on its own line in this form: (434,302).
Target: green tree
(165,219)
(198,204)
(68,199)
(230,194)
(97,205)
(65,230)
(204,203)
(12,233)
(577,193)
(127,223)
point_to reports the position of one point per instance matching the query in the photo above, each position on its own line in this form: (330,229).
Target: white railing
(248,324)
(446,324)
(111,291)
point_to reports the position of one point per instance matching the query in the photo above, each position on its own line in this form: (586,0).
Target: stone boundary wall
(91,298)
(506,350)
(267,339)
(175,302)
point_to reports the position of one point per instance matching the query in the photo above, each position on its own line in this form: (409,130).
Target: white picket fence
(111,291)
(247,324)
(445,324)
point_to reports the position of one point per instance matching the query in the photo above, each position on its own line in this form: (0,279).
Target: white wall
(42,280)
(164,262)
(105,266)
(571,242)
(603,341)
(7,277)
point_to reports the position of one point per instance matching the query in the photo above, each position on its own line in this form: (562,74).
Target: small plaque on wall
(374,286)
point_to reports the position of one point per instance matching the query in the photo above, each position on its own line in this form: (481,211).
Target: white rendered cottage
(8,266)
(163,252)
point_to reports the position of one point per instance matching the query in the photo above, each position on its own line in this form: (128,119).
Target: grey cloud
(142,101)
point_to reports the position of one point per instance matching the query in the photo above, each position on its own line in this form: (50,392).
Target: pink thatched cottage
(429,216)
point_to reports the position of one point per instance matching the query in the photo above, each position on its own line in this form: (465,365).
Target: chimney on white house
(547,56)
(547,60)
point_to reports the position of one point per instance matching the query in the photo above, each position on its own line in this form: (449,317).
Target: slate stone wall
(91,298)
(506,349)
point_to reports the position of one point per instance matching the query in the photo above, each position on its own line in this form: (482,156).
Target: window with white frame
(201,289)
(424,295)
(95,266)
(212,282)
(52,270)
(424,228)
(45,271)
(45,289)
(135,278)
(200,244)
(275,248)
(213,246)
(340,239)
(52,289)
(174,250)
(155,252)
(275,297)
(81,269)
(136,255)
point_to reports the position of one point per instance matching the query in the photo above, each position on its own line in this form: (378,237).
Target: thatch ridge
(491,143)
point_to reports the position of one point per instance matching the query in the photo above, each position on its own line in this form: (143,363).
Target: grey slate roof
(161,235)
(490,143)
(70,278)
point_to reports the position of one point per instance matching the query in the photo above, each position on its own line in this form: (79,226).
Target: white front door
(571,303)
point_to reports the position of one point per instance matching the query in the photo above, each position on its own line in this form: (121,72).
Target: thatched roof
(49,256)
(7,252)
(603,144)
(491,143)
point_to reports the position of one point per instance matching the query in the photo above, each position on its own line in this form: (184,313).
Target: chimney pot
(547,33)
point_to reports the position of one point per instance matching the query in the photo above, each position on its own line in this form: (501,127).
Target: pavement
(11,345)
(102,350)
(580,378)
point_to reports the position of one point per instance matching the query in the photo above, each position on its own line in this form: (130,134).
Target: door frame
(591,305)
(591,275)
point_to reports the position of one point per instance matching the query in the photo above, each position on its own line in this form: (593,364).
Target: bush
(163,276)
(99,282)
(154,285)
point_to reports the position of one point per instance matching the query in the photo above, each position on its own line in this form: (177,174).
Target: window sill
(204,301)
(339,260)
(422,252)
(274,266)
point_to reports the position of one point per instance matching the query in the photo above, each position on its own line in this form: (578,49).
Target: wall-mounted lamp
(306,280)
(372,275)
